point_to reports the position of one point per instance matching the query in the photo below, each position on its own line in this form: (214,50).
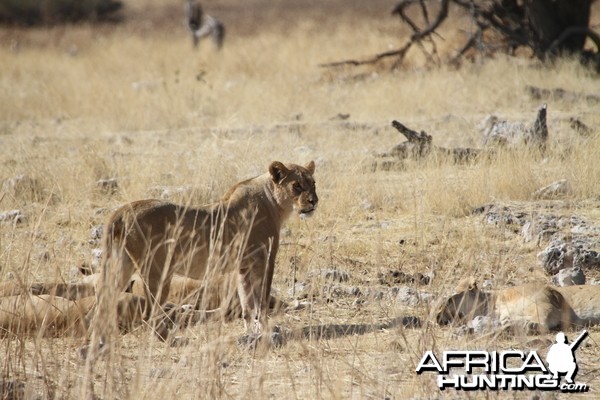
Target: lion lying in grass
(58,309)
(44,315)
(540,308)
(61,309)
(53,316)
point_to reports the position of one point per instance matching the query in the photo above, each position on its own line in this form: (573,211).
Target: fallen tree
(419,145)
(495,133)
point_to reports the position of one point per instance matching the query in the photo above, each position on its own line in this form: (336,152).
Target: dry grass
(80,104)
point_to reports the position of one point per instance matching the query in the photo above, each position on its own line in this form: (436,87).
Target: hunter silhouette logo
(505,370)
(561,356)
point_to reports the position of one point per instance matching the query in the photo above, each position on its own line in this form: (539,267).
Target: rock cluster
(570,241)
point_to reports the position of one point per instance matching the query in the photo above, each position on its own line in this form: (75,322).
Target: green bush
(36,12)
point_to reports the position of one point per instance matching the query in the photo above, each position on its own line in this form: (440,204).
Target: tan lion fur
(52,316)
(542,307)
(16,314)
(181,288)
(239,235)
(45,315)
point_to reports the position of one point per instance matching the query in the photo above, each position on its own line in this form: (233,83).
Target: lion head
(295,184)
(463,306)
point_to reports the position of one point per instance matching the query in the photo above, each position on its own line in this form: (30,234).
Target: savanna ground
(135,102)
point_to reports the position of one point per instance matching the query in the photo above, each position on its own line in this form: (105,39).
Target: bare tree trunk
(549,21)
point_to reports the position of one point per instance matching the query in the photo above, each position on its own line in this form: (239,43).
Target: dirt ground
(136,103)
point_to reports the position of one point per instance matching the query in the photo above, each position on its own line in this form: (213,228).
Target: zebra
(202,25)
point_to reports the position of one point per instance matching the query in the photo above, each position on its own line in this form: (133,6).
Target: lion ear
(278,171)
(467,284)
(311,167)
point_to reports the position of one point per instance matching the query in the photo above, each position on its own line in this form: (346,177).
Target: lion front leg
(254,289)
(250,286)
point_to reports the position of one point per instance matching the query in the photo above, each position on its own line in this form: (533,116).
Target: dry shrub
(28,12)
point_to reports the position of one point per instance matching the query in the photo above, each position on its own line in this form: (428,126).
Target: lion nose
(313,200)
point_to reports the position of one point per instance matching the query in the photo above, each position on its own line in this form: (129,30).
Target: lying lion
(59,308)
(539,307)
(53,316)
(181,289)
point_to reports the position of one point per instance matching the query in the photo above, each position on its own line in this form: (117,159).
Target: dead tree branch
(419,145)
(546,28)
(400,53)
(442,15)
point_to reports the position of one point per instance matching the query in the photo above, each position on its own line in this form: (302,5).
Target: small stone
(587,259)
(353,291)
(462,330)
(569,277)
(158,373)
(554,190)
(397,276)
(108,185)
(572,252)
(179,341)
(330,273)
(359,303)
(96,234)
(96,258)
(378,295)
(555,257)
(481,324)
(367,205)
(407,295)
(248,341)
(12,216)
(297,305)
(277,339)
(300,290)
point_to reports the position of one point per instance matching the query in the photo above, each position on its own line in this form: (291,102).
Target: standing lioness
(239,233)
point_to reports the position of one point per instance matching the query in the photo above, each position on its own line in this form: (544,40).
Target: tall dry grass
(149,111)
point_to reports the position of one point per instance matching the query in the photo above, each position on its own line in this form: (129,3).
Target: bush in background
(38,12)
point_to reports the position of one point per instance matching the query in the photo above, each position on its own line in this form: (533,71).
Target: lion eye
(297,188)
